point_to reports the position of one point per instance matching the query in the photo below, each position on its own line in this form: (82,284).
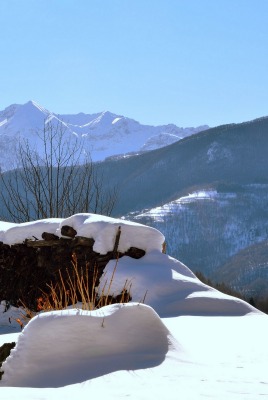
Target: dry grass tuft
(79,288)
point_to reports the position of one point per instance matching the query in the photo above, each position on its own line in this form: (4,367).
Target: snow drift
(67,347)
(169,346)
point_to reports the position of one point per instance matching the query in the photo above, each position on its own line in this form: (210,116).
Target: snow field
(187,341)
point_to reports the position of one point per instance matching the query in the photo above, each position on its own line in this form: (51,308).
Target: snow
(168,286)
(96,131)
(17,233)
(116,120)
(218,152)
(104,229)
(97,343)
(199,195)
(158,213)
(175,206)
(3,122)
(187,341)
(161,140)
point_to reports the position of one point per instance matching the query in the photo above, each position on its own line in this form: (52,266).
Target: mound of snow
(11,233)
(71,346)
(169,287)
(104,229)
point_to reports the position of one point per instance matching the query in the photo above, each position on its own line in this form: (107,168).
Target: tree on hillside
(56,180)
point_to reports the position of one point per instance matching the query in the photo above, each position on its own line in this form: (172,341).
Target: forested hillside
(232,154)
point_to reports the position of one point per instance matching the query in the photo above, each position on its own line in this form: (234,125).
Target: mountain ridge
(104,134)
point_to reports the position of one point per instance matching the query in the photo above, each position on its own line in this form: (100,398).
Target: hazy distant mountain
(103,134)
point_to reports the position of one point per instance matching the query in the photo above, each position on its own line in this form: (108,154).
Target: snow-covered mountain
(104,134)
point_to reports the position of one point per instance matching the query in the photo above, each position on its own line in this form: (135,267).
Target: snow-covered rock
(98,227)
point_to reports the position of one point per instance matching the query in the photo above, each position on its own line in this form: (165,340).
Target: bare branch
(58,180)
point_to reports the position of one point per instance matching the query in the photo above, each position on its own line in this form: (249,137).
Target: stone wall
(28,268)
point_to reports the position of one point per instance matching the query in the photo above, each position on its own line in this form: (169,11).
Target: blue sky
(188,62)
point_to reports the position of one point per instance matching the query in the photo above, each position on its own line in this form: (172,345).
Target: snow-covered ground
(187,341)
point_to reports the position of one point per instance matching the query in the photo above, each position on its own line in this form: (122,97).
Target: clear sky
(188,62)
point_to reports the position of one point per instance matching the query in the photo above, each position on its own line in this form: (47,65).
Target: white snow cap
(104,229)
(101,228)
(11,233)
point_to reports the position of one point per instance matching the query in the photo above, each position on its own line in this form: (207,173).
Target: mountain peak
(31,104)
(104,134)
